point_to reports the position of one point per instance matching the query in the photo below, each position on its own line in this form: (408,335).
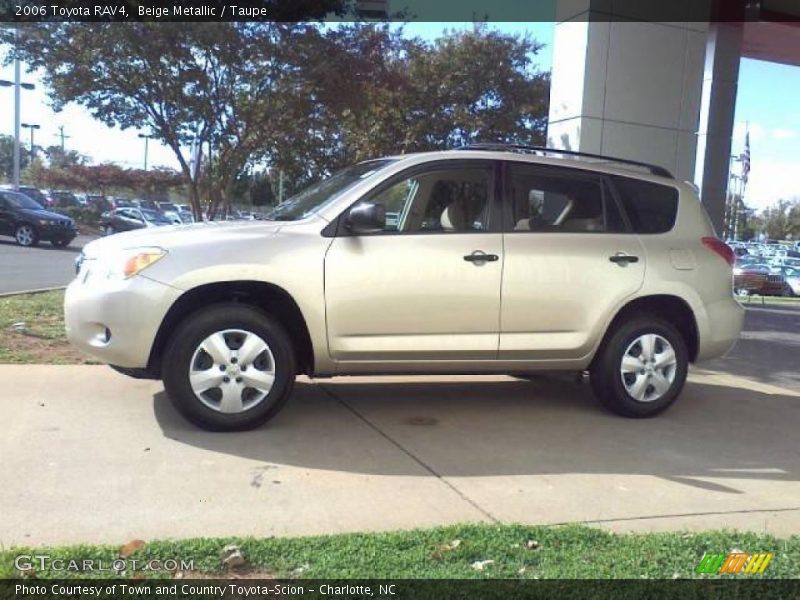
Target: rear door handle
(623,259)
(480,256)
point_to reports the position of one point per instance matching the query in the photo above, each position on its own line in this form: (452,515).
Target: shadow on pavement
(494,428)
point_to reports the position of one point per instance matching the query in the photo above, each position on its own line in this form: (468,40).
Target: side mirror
(366,217)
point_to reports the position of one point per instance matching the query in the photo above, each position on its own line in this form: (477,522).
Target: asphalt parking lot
(36,268)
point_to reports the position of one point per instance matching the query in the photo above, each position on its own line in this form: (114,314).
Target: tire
(647,389)
(109,230)
(60,243)
(228,404)
(26,235)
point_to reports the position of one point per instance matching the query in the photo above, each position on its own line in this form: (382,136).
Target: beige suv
(491,259)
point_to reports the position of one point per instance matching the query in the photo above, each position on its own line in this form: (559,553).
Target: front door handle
(480,256)
(623,259)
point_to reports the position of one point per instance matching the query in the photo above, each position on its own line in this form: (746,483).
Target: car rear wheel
(641,368)
(229,367)
(26,235)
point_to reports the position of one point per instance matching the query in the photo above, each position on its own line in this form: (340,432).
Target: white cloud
(772,181)
(783,134)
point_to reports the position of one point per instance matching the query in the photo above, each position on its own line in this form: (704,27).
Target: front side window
(546,201)
(17,200)
(445,200)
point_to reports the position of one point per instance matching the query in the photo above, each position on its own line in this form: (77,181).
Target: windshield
(155,217)
(17,200)
(167,206)
(318,195)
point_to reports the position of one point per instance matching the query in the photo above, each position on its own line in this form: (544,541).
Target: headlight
(45,222)
(131,261)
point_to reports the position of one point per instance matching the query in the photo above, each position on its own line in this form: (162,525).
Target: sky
(766,104)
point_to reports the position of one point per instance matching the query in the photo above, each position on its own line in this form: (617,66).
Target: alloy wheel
(25,235)
(648,367)
(232,371)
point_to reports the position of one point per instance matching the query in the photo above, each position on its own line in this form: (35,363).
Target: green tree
(7,157)
(292,97)
(59,158)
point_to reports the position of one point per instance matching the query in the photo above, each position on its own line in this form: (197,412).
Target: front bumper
(116,321)
(58,232)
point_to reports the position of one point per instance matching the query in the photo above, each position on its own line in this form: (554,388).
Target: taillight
(720,248)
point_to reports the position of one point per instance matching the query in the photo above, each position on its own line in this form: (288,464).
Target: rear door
(569,261)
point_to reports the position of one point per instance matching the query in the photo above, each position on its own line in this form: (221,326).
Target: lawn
(462,551)
(32,330)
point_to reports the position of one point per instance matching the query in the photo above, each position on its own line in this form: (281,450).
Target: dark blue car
(29,222)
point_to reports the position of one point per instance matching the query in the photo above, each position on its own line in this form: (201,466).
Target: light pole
(146,138)
(18,85)
(33,128)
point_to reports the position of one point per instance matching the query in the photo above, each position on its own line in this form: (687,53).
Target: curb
(36,291)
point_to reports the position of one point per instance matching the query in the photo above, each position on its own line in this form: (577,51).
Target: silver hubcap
(25,235)
(648,367)
(232,371)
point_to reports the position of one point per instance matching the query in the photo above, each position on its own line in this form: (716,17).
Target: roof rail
(654,169)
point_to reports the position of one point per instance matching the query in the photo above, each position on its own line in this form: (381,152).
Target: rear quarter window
(651,207)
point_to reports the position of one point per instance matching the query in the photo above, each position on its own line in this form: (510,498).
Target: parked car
(35,194)
(148,204)
(760,279)
(29,222)
(127,219)
(171,211)
(62,199)
(227,315)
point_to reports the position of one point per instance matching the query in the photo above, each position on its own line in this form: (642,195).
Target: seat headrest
(454,217)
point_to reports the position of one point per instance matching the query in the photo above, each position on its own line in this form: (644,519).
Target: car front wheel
(229,367)
(641,368)
(26,235)
(109,230)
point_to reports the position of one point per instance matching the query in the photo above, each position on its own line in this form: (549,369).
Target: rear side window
(651,208)
(557,200)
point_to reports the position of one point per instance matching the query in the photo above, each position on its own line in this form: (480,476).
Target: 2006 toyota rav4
(483,260)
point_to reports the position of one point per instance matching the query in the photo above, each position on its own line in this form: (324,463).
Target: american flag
(745,158)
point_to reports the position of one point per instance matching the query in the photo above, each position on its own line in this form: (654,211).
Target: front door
(6,218)
(428,286)
(568,262)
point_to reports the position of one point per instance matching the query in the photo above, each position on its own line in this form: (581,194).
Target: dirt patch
(19,348)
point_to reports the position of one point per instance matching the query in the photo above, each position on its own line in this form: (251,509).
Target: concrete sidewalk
(92,456)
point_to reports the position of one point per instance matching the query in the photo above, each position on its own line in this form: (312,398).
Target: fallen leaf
(232,556)
(454,544)
(532,544)
(300,570)
(479,565)
(130,548)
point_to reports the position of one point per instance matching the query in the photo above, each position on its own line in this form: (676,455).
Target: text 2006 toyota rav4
(481,260)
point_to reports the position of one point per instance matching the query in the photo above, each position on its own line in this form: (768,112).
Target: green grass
(42,339)
(559,552)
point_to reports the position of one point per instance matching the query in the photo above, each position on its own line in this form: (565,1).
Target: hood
(179,236)
(42,214)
